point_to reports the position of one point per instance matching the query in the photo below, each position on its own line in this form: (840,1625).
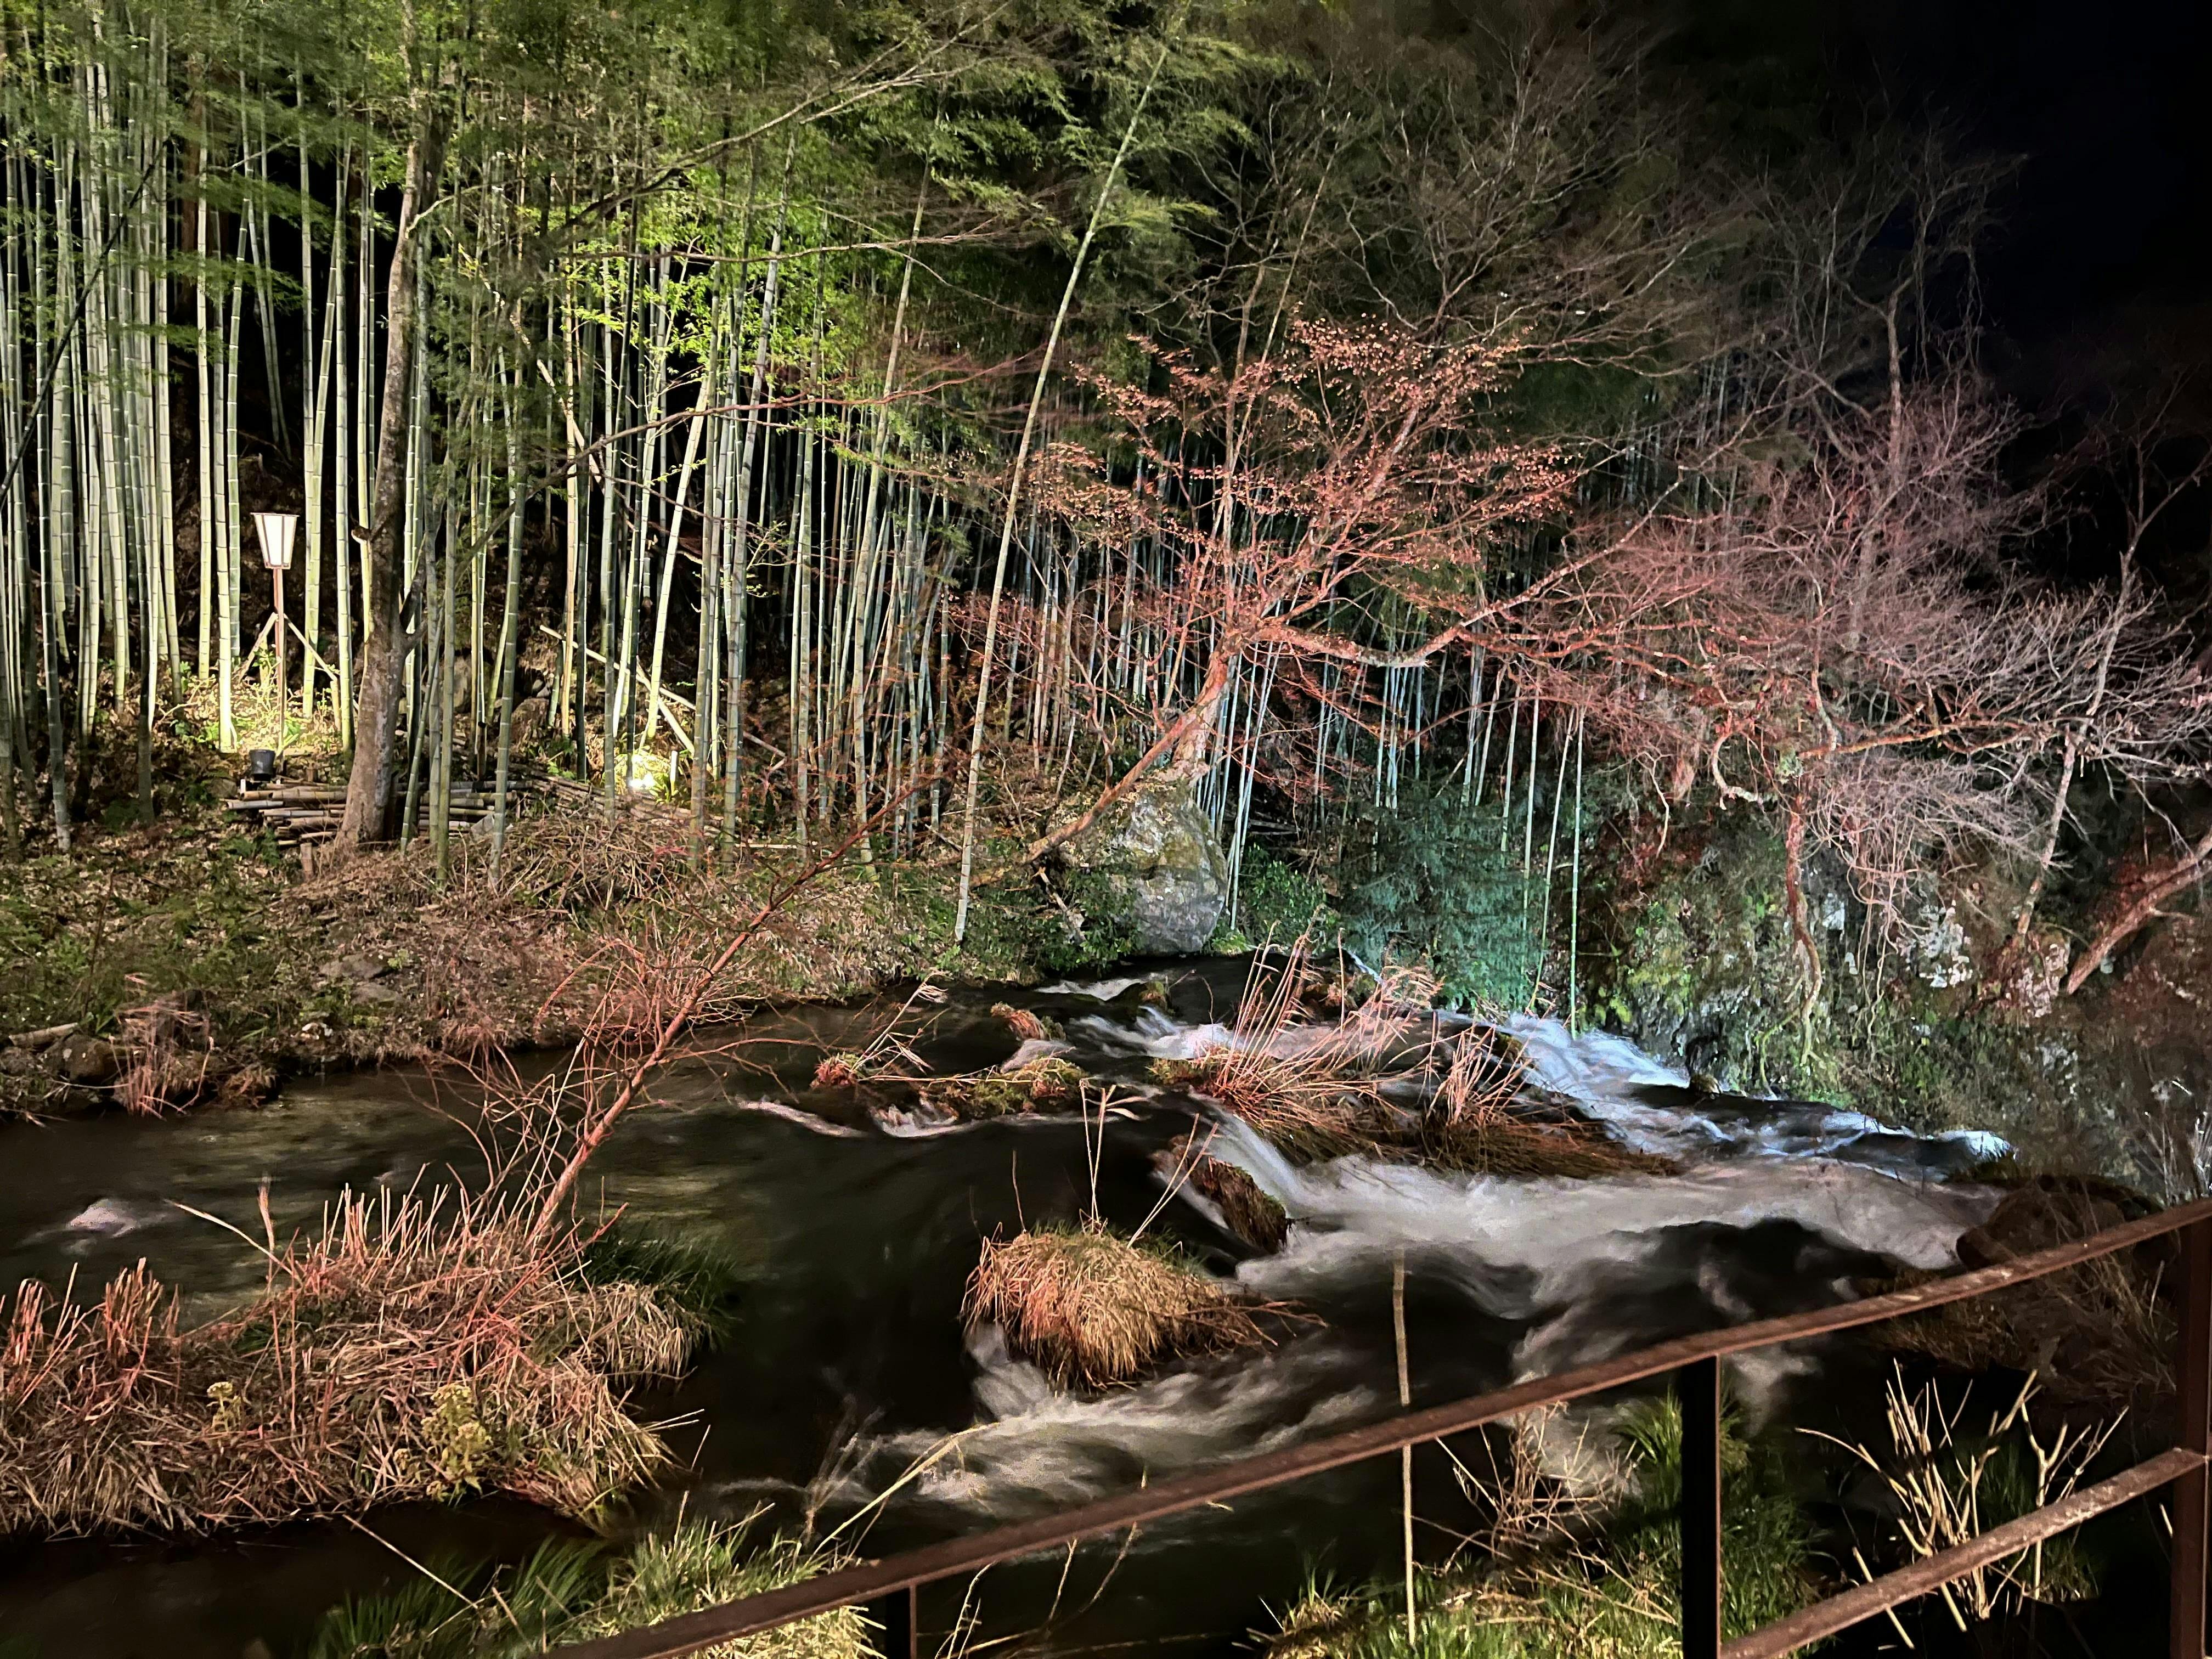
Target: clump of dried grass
(1946,1488)
(2098,1333)
(1520,1148)
(1090,1307)
(1384,1079)
(580,860)
(1249,1213)
(1308,1089)
(410,1347)
(171,1049)
(1308,1115)
(840,1071)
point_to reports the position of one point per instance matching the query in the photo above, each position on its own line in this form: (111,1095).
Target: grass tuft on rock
(695,1281)
(570,1592)
(1518,1149)
(699,1566)
(412,1347)
(1091,1308)
(1048,1082)
(1026,1024)
(1250,1214)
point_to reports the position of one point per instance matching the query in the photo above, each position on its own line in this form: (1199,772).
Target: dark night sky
(2104,266)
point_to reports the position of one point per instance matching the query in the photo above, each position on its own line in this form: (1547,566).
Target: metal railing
(888,1587)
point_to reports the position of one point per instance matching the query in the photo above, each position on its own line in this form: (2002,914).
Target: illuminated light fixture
(276,531)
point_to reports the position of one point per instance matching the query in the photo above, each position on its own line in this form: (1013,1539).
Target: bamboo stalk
(1013,497)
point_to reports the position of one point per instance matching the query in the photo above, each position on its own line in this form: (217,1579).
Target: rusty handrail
(898,1577)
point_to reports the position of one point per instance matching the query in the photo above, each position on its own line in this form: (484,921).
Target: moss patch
(1049,1082)
(1688,951)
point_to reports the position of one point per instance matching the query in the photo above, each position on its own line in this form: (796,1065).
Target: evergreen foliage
(1430,879)
(1276,903)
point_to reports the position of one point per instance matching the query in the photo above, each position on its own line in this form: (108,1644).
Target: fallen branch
(2194,866)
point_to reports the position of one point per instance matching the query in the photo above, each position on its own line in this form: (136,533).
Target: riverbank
(849,1372)
(190,961)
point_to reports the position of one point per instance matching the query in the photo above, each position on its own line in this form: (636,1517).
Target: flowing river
(856,1232)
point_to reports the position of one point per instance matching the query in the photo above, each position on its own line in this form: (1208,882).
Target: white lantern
(276,531)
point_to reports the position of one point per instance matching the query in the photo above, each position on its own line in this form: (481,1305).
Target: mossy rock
(1251,1216)
(1173,1074)
(1049,1082)
(1150,872)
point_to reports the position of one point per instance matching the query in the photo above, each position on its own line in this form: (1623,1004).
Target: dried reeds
(411,1347)
(1093,1308)
(171,1049)
(1386,1078)
(1308,1089)
(1946,1488)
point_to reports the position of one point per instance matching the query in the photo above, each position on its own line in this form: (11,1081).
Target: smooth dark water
(848,1363)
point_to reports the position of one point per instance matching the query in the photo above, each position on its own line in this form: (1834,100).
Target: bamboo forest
(1317,829)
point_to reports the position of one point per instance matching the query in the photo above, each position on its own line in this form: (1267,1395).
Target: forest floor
(191,960)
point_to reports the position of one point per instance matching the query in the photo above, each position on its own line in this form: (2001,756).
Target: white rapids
(1778,1204)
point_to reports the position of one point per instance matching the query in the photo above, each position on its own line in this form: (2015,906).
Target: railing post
(898,1630)
(1697,1385)
(2194,1375)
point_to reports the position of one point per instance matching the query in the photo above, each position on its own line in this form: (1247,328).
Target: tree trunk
(368,789)
(2152,892)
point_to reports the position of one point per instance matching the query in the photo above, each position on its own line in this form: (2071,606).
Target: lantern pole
(276,531)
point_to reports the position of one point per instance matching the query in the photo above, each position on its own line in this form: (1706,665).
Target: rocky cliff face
(1689,954)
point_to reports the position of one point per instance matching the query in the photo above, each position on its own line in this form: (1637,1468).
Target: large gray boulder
(1150,871)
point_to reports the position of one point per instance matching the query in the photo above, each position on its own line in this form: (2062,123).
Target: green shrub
(1431,880)
(1105,936)
(1277,900)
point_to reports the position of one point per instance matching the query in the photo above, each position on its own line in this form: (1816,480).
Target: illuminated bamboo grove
(689,348)
(694,410)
